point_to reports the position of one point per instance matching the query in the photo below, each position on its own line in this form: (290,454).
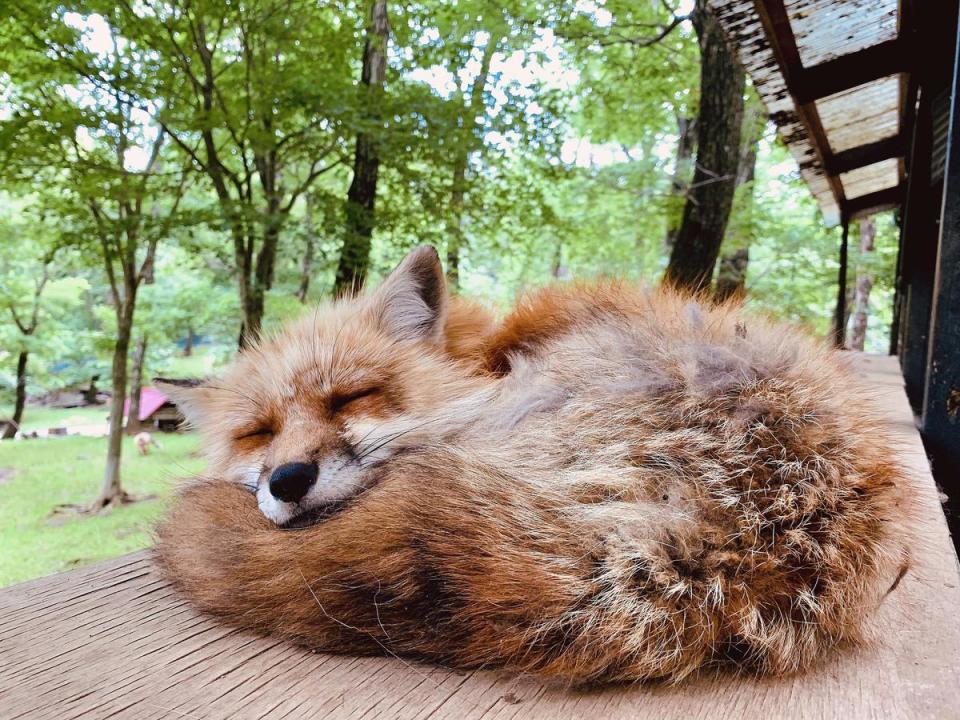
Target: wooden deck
(112,641)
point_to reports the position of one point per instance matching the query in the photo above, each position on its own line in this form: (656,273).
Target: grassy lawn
(38,475)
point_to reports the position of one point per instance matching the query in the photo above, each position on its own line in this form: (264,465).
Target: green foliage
(38,475)
(571,153)
(39,295)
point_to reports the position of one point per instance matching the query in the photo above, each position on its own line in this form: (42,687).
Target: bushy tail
(463,566)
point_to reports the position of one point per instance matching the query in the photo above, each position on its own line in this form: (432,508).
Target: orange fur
(541,315)
(468,328)
(648,485)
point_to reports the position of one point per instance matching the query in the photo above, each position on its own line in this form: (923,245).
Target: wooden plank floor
(112,641)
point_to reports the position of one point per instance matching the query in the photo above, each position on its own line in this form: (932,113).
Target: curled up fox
(607,484)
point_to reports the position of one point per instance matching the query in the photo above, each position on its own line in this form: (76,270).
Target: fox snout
(291,481)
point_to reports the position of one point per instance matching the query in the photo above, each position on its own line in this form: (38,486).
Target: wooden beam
(849,71)
(864,155)
(874,202)
(776,26)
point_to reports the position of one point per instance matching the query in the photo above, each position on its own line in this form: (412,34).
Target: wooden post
(940,422)
(894,345)
(908,135)
(839,317)
(918,243)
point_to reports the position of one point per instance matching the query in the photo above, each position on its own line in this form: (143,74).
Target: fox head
(303,418)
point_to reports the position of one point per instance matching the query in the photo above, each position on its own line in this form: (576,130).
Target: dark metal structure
(866,94)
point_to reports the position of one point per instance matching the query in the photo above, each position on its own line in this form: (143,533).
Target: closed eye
(257,432)
(339,401)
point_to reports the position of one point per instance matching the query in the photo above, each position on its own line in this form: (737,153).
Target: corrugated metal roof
(824,30)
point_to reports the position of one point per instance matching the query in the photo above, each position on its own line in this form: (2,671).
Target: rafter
(874,202)
(783,43)
(863,155)
(849,71)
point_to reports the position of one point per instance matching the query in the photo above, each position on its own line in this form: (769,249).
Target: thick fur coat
(609,485)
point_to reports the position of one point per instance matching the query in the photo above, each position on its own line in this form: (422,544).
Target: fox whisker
(383,442)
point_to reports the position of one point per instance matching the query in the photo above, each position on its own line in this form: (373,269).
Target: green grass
(65,470)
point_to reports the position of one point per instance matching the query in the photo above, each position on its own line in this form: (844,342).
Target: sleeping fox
(608,484)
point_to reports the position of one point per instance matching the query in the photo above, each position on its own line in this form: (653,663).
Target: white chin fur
(338,479)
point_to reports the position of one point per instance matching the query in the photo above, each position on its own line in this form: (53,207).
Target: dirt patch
(6,475)
(61,513)
(76,562)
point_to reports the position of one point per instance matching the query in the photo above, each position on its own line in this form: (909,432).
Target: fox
(143,441)
(608,484)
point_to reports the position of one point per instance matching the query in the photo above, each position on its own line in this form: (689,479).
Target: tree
(863,286)
(27,329)
(102,147)
(638,67)
(187,299)
(469,126)
(679,184)
(361,197)
(128,236)
(310,242)
(38,296)
(27,326)
(719,120)
(732,273)
(136,386)
(241,98)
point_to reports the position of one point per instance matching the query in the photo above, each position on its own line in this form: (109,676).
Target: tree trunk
(188,345)
(864,284)
(687,130)
(254,298)
(719,121)
(455,239)
(732,273)
(306,268)
(111,492)
(558,271)
(252,317)
(90,394)
(243,259)
(21,398)
(361,197)
(257,277)
(458,188)
(136,386)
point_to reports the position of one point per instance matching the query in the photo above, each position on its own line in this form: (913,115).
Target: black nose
(291,481)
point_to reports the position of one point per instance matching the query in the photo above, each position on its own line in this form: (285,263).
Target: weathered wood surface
(113,641)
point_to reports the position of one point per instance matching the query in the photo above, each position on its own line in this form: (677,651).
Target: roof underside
(828,73)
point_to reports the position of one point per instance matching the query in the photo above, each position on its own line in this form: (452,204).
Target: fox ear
(190,396)
(411,304)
